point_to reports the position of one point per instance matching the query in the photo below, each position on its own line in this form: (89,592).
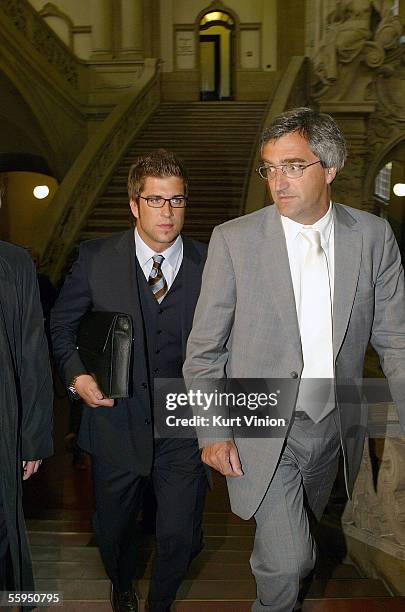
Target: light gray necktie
(156,280)
(316,397)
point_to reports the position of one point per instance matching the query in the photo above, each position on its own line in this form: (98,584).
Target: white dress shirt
(296,250)
(173,257)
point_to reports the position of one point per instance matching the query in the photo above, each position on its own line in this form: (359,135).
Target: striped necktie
(156,280)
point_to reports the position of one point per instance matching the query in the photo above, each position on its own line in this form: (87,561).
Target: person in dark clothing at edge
(26,408)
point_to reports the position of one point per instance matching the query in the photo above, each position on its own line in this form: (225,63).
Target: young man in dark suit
(153,274)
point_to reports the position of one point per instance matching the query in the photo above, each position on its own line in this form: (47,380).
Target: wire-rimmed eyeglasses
(160,201)
(291,170)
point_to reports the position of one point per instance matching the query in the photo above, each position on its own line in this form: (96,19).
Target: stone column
(132,27)
(101,32)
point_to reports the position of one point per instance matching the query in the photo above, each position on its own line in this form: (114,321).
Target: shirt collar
(144,253)
(323,225)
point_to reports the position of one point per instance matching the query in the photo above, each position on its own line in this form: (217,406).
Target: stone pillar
(101,33)
(132,27)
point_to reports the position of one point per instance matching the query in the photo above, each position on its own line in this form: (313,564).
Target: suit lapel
(125,279)
(276,275)
(125,275)
(348,249)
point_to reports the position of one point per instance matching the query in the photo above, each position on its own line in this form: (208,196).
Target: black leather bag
(104,342)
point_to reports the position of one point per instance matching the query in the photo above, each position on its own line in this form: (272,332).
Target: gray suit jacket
(245,326)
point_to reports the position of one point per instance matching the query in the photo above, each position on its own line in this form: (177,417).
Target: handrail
(37,32)
(291,91)
(90,173)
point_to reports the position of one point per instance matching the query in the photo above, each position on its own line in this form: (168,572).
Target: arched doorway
(217,48)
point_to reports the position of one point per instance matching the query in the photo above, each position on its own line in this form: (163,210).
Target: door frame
(216,39)
(234,40)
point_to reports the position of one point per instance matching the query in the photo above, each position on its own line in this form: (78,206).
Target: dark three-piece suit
(107,277)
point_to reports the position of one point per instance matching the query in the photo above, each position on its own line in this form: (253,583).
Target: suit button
(144,385)
(159,331)
(294,374)
(157,351)
(156,371)
(147,422)
(160,310)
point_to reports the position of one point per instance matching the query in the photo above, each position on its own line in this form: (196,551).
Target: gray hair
(323,134)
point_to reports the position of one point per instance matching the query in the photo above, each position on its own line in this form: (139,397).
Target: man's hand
(30,468)
(88,390)
(223,457)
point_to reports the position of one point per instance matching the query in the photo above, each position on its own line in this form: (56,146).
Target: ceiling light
(41,192)
(399,189)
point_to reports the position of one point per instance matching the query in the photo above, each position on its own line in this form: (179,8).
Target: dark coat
(105,278)
(25,395)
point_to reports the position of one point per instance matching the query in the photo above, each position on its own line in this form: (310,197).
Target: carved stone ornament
(56,55)
(363,29)
(27,20)
(378,504)
(51,10)
(386,126)
(390,89)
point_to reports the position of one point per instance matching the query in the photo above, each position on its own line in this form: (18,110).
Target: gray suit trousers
(284,551)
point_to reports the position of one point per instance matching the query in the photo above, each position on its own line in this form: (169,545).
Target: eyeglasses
(159,201)
(291,170)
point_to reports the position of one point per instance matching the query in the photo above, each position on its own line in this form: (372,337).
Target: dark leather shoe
(124,601)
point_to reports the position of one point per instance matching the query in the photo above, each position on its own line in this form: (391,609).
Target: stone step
(235,118)
(200,178)
(200,184)
(226,127)
(193,155)
(95,571)
(214,542)
(208,566)
(218,590)
(71,527)
(90,554)
(67,514)
(209,136)
(381,604)
(204,109)
(214,103)
(202,113)
(197,169)
(221,148)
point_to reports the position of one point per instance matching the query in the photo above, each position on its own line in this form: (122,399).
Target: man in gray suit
(297,290)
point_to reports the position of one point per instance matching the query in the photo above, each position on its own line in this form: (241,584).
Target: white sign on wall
(250,49)
(185,50)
